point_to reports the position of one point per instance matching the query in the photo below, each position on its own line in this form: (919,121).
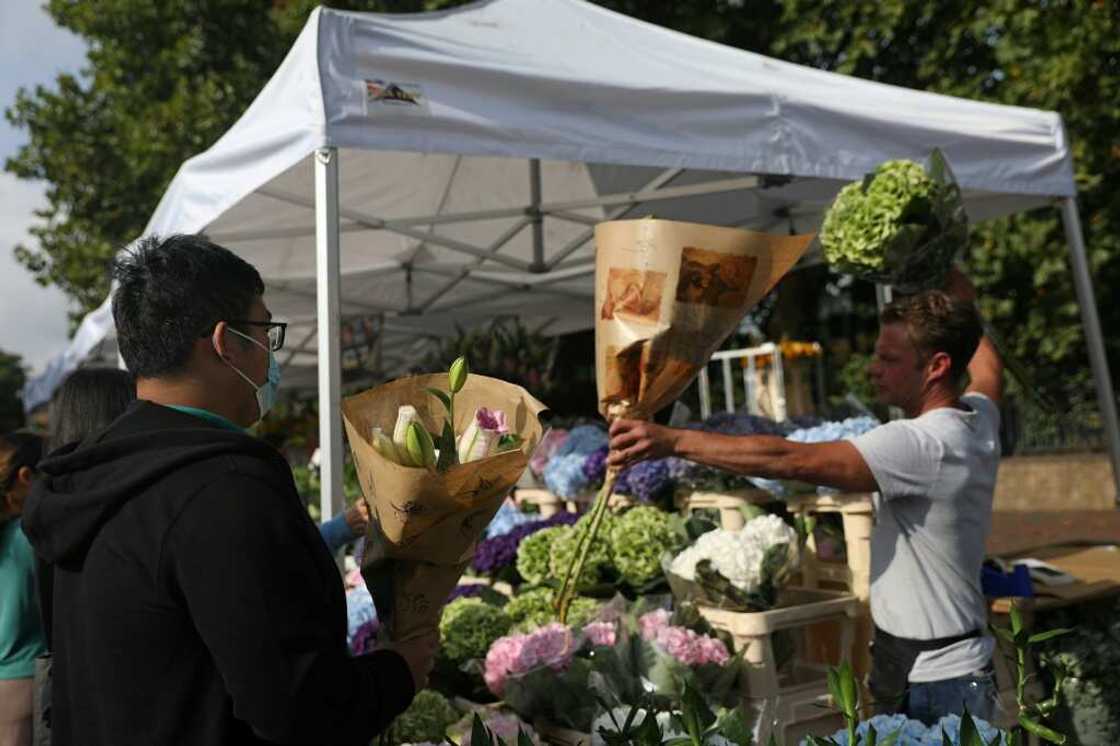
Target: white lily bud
(406,415)
(481,437)
(383,445)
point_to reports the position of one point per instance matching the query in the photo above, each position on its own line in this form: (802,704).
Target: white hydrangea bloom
(737,555)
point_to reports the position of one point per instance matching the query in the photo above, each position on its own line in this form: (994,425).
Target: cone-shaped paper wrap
(667,294)
(425,523)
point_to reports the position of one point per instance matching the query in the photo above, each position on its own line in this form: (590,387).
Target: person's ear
(218,340)
(939,367)
(24,476)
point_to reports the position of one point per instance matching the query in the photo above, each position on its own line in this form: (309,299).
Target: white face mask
(266,392)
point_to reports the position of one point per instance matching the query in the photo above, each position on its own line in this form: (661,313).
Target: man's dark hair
(17,450)
(170,292)
(89,400)
(937,322)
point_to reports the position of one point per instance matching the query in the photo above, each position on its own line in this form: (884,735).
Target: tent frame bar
(1094,340)
(654,191)
(328,280)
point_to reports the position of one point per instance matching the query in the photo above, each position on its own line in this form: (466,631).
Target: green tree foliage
(166,79)
(12,377)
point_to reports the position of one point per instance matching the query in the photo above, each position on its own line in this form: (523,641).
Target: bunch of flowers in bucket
(566,675)
(629,553)
(741,570)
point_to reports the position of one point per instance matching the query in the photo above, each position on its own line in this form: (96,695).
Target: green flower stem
(567,589)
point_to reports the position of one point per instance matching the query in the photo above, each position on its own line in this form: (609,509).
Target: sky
(33,51)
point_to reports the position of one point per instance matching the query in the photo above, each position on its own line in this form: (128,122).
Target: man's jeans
(931,701)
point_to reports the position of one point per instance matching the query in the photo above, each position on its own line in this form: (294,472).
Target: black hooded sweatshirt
(194,600)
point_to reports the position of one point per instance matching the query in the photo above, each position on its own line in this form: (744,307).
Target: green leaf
(969,735)
(442,396)
(1016,620)
(523,738)
(849,689)
(480,736)
(872,737)
(1048,635)
(891,739)
(448,448)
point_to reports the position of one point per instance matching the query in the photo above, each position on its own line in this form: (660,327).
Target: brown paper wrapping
(425,524)
(667,294)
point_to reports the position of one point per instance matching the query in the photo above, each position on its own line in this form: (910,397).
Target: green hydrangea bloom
(425,720)
(533,554)
(861,224)
(534,608)
(469,626)
(638,540)
(599,563)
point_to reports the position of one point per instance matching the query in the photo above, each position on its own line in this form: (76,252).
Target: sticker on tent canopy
(390,95)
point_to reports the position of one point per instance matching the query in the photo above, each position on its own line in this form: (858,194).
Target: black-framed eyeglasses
(276,331)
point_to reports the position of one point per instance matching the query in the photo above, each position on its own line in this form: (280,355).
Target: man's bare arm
(835,464)
(985,369)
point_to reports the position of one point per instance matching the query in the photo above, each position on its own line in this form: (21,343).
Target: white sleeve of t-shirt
(904,459)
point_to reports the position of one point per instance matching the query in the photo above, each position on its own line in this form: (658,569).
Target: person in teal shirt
(21,632)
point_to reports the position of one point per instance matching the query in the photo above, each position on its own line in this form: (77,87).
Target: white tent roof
(442,121)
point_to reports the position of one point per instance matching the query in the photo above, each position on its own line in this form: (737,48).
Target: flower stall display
(901,225)
(459,443)
(598,568)
(563,674)
(534,608)
(638,539)
(909,732)
(534,554)
(496,556)
(508,517)
(741,569)
(425,721)
(468,627)
(564,474)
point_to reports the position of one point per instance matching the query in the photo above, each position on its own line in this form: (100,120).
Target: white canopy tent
(444,168)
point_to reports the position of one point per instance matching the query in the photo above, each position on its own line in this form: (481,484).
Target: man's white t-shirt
(933,512)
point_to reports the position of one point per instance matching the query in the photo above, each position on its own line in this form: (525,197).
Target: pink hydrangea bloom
(683,644)
(651,622)
(551,645)
(601,633)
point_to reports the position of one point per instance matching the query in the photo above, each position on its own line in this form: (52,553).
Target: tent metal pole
(534,213)
(327,282)
(1083,283)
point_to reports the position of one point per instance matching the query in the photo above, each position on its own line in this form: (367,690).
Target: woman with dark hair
(21,633)
(87,401)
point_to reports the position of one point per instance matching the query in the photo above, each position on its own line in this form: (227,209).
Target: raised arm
(985,370)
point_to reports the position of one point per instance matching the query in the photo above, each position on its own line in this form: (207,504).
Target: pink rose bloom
(601,633)
(714,651)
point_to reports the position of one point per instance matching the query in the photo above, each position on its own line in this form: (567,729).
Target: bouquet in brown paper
(667,294)
(433,486)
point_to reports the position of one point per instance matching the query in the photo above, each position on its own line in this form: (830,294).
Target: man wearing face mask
(194,600)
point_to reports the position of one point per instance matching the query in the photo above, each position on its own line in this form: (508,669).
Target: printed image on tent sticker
(634,295)
(388,94)
(712,278)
